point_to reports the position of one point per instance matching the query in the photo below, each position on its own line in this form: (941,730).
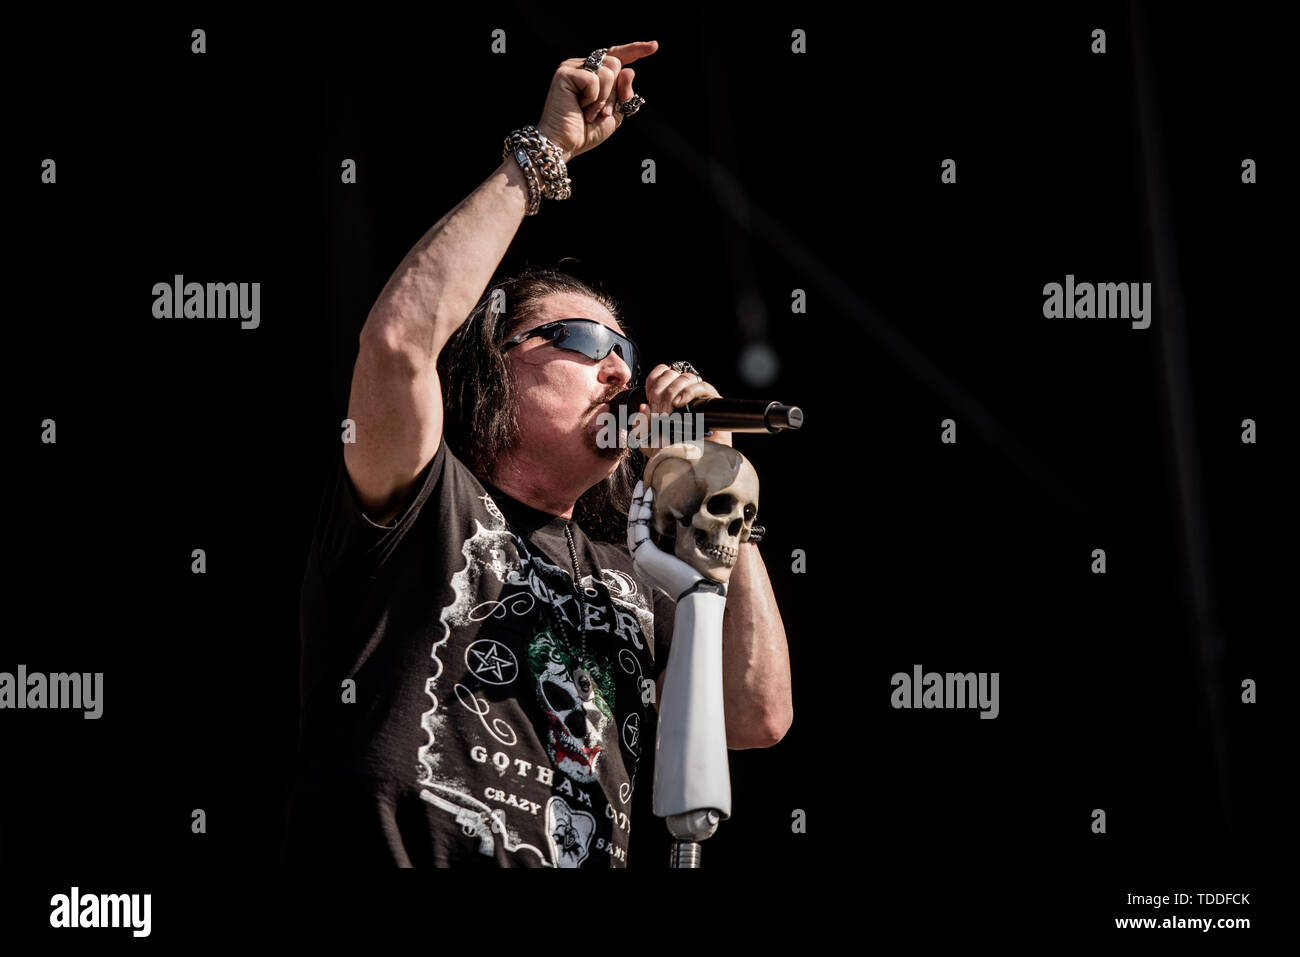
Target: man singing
(481,659)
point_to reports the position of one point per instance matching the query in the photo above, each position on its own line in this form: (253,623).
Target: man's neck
(538,485)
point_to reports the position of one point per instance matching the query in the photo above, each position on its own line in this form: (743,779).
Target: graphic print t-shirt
(463,702)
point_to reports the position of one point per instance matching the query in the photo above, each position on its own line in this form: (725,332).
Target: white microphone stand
(692,786)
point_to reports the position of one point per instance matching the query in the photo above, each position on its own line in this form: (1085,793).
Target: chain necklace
(577,588)
(556,615)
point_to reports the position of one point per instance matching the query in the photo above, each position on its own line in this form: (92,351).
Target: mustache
(606,397)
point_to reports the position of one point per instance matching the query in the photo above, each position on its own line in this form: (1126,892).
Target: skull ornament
(705,500)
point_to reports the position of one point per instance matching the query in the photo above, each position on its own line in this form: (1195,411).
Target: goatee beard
(613,453)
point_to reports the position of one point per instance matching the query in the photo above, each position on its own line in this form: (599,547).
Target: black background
(924,303)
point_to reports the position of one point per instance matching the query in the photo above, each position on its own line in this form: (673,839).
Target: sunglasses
(585,336)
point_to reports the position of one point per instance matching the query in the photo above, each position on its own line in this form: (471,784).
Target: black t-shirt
(462,702)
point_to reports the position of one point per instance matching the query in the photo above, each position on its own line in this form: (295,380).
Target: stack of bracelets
(543,166)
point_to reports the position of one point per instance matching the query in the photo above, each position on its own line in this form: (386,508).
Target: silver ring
(685,368)
(594,59)
(628,107)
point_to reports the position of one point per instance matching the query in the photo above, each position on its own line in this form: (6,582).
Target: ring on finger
(594,59)
(628,107)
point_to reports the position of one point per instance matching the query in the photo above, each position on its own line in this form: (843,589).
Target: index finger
(631,52)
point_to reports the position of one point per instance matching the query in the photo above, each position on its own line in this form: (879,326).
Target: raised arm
(396,398)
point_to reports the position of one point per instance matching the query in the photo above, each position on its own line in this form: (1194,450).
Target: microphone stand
(692,785)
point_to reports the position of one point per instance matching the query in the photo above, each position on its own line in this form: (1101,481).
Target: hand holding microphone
(679,388)
(671,388)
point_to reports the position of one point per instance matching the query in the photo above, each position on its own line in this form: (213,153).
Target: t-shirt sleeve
(348,543)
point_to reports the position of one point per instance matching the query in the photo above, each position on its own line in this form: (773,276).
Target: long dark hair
(480,422)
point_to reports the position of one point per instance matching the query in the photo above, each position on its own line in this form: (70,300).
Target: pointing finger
(630,52)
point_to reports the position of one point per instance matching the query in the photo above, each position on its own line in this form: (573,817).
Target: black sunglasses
(593,339)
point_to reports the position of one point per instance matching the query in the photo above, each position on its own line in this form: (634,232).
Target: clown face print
(577,695)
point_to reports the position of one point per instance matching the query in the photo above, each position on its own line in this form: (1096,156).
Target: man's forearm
(440,280)
(755,659)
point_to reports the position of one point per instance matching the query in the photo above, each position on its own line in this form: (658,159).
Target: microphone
(720,415)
